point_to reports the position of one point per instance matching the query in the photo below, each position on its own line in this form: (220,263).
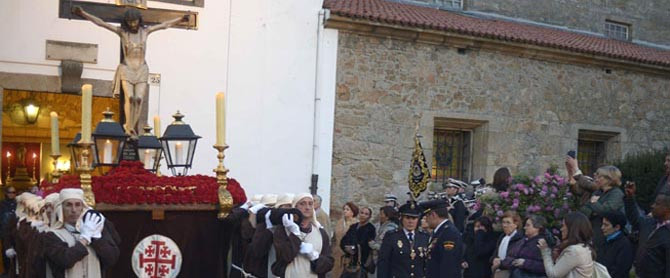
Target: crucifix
(132,73)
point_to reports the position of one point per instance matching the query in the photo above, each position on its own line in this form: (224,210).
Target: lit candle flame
(9,154)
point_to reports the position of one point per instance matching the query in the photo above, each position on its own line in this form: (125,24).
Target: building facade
(486,93)
(274,61)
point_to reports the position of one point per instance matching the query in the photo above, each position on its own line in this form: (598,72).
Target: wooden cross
(115,14)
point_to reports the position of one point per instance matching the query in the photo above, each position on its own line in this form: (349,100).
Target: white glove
(268,224)
(256,208)
(88,226)
(10,253)
(245,206)
(313,256)
(99,227)
(306,248)
(289,225)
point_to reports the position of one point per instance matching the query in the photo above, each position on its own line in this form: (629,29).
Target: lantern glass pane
(148,158)
(179,152)
(108,151)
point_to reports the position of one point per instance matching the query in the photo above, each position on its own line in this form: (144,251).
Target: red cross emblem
(156,256)
(155,265)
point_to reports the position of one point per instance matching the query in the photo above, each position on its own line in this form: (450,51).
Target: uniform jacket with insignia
(445,252)
(399,258)
(459,213)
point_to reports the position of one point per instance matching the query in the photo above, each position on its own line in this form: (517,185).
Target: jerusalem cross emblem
(156,256)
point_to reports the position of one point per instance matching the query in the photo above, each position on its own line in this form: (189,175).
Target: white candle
(220,119)
(107,153)
(178,153)
(86,99)
(55,146)
(157,126)
(148,157)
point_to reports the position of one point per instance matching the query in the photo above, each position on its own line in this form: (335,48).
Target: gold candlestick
(225,199)
(85,170)
(56,174)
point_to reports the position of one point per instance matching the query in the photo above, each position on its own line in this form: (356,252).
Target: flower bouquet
(546,195)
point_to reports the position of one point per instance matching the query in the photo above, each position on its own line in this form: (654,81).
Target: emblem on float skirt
(156,256)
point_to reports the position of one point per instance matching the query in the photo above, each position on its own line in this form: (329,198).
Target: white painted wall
(268,68)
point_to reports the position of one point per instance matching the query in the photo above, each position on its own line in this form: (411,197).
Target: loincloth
(131,75)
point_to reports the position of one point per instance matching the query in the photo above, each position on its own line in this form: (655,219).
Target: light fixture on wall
(31,110)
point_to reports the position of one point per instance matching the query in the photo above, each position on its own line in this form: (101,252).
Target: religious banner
(418,170)
(156,256)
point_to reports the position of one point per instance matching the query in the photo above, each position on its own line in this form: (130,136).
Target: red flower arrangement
(130,183)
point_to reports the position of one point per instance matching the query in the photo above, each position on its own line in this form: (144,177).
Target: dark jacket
(288,247)
(480,246)
(241,234)
(653,254)
(459,213)
(61,257)
(525,249)
(256,258)
(9,239)
(359,236)
(445,252)
(617,255)
(518,236)
(612,200)
(583,188)
(7,211)
(662,187)
(395,255)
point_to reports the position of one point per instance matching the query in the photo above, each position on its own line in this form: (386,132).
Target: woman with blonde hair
(607,197)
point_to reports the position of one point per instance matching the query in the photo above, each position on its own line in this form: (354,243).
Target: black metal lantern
(108,141)
(179,143)
(75,151)
(149,150)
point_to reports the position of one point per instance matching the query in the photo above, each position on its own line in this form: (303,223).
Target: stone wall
(649,18)
(527,113)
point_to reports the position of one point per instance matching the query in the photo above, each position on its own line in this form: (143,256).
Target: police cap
(427,206)
(410,209)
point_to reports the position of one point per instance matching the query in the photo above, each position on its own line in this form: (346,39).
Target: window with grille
(592,149)
(456,4)
(590,155)
(451,155)
(617,31)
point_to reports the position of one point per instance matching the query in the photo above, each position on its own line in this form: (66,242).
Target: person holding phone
(577,255)
(581,185)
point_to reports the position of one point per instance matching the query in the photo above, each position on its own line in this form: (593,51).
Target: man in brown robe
(83,251)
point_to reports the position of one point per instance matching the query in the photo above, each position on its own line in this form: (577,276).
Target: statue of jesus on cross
(132,74)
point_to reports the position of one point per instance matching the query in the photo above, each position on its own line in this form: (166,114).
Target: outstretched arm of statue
(96,20)
(168,24)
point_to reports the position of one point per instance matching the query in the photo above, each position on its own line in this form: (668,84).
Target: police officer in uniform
(403,251)
(458,211)
(445,248)
(391,200)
